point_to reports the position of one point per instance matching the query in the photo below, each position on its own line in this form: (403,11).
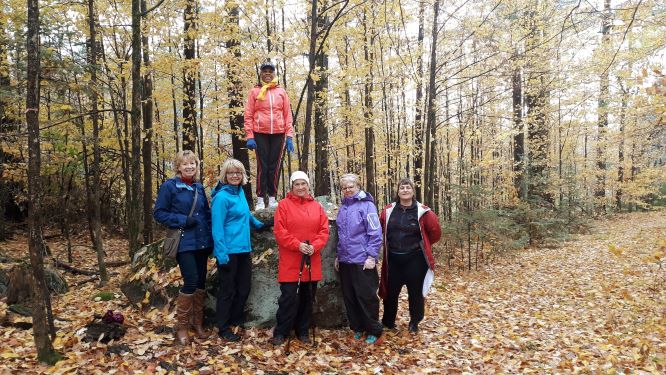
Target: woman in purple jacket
(359,241)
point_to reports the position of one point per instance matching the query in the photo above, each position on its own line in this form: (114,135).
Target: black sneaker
(413,327)
(388,326)
(229,336)
(277,340)
(304,339)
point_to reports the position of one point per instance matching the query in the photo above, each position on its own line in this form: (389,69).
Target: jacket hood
(360,196)
(231,189)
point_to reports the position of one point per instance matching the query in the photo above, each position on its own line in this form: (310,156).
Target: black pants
(192,266)
(359,290)
(405,269)
(235,279)
(294,310)
(269,157)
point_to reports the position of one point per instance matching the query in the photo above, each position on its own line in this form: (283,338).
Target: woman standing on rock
(175,199)
(301,231)
(231,233)
(268,129)
(359,240)
(410,229)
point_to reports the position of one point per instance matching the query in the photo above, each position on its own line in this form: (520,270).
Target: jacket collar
(360,196)
(182,185)
(422,209)
(228,188)
(298,199)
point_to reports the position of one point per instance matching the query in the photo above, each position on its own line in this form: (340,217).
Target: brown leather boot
(183,313)
(198,313)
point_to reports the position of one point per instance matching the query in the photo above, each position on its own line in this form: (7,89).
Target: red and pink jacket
(269,116)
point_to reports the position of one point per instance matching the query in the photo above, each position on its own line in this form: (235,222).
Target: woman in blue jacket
(173,204)
(359,241)
(231,234)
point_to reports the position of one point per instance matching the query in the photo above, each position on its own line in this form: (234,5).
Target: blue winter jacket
(173,204)
(359,231)
(231,222)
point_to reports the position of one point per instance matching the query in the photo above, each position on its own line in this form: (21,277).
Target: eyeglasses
(349,187)
(234,173)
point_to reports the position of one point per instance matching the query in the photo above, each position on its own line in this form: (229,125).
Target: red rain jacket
(296,220)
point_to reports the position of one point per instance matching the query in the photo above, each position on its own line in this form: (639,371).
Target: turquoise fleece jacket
(231,221)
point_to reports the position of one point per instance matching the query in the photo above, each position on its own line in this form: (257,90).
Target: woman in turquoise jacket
(231,222)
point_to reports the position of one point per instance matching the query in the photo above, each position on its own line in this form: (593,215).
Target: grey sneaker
(272,203)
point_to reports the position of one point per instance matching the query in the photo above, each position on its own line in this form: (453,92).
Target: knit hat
(298,175)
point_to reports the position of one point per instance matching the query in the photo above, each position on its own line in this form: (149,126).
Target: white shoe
(272,203)
(260,205)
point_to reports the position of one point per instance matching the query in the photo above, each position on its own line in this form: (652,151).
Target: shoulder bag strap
(194,203)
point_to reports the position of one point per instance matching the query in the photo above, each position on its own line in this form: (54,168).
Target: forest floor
(595,304)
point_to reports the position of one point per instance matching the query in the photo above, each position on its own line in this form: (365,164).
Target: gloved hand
(290,145)
(369,264)
(251,144)
(190,222)
(336,265)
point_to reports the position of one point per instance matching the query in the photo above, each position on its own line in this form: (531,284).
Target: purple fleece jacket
(359,231)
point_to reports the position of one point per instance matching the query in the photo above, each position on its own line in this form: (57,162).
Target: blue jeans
(193,269)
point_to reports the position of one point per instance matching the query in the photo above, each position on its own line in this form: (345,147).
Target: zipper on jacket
(270,101)
(258,123)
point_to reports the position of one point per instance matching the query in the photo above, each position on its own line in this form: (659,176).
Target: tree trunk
(620,150)
(536,100)
(309,100)
(519,137)
(95,188)
(147,147)
(189,78)
(368,55)
(234,91)
(602,109)
(134,214)
(432,119)
(418,119)
(322,178)
(42,300)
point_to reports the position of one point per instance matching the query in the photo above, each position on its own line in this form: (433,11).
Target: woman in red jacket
(410,229)
(301,230)
(268,128)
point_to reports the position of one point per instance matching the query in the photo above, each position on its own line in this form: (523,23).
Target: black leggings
(269,157)
(405,269)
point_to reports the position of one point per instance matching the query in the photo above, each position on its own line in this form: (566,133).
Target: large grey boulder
(148,284)
(262,303)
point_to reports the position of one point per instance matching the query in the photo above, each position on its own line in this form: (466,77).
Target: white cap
(298,175)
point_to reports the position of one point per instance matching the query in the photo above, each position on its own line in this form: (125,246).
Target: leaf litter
(595,304)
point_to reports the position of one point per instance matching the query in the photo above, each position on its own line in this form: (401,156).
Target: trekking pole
(312,301)
(298,299)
